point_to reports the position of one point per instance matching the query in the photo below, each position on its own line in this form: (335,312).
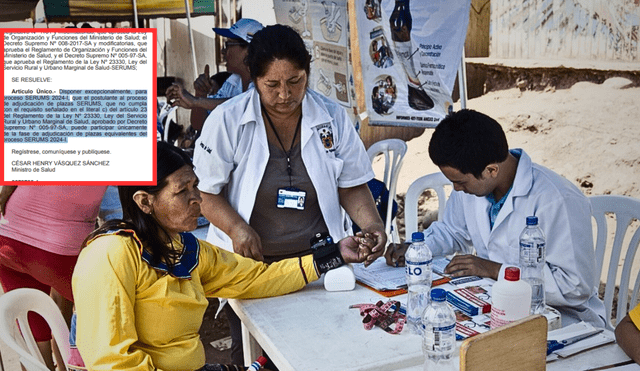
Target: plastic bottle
(532,261)
(439,322)
(257,364)
(510,298)
(418,272)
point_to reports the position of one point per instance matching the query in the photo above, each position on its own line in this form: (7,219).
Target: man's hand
(395,254)
(178,96)
(356,249)
(471,265)
(202,84)
(246,242)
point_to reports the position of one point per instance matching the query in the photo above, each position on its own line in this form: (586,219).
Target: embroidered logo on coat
(326,136)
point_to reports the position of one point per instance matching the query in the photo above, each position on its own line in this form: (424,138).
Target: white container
(511,298)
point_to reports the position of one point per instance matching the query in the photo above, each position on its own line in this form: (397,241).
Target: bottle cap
(512,274)
(262,360)
(417,236)
(532,220)
(438,295)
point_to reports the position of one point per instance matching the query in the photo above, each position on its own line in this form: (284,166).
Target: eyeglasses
(227,44)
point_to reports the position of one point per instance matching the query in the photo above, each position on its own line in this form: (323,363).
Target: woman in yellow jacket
(141,283)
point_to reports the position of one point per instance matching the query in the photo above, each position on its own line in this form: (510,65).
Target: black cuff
(327,258)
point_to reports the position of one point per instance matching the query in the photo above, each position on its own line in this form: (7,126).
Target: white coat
(232,153)
(564,215)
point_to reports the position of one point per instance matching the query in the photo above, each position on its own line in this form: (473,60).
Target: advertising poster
(323,26)
(410,53)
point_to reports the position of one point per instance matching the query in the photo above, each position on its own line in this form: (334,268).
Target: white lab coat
(232,153)
(564,215)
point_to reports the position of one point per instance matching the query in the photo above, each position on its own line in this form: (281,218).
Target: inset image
(383,95)
(381,54)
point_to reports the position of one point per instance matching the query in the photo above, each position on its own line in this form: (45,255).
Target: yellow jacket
(135,317)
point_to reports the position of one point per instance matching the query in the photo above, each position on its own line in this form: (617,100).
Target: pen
(553,345)
(402,309)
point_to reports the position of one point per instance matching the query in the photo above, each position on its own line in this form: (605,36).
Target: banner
(324,28)
(410,53)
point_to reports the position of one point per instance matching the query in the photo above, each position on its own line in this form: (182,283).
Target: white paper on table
(382,276)
(575,329)
(630,367)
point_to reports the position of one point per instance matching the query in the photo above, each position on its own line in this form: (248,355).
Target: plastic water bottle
(532,261)
(439,323)
(510,298)
(418,272)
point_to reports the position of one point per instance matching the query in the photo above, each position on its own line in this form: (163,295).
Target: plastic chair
(519,345)
(435,181)
(393,150)
(14,305)
(625,209)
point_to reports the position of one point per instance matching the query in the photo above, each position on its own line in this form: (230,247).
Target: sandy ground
(589,133)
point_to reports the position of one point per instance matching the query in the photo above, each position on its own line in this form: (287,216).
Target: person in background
(40,239)
(628,334)
(141,283)
(234,52)
(274,144)
(495,189)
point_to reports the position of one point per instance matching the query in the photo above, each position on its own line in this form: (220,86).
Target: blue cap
(438,295)
(417,236)
(532,220)
(243,29)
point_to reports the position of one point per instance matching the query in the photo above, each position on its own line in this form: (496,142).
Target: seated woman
(141,283)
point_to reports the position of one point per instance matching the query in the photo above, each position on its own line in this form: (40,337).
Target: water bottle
(418,272)
(439,324)
(532,261)
(510,298)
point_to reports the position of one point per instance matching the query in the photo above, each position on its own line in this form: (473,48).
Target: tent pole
(191,43)
(462,81)
(135,13)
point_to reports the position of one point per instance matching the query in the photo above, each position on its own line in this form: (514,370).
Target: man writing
(495,189)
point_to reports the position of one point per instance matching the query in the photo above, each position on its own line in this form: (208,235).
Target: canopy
(16,10)
(122,10)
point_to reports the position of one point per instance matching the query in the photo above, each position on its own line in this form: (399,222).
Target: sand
(589,133)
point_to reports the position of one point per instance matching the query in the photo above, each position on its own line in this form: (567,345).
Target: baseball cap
(243,29)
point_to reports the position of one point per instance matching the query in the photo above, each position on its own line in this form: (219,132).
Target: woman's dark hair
(468,141)
(276,42)
(154,238)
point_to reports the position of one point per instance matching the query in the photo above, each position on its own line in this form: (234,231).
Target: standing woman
(277,143)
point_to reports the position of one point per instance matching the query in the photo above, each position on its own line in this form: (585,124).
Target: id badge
(291,198)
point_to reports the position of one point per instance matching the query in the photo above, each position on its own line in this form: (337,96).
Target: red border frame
(153,138)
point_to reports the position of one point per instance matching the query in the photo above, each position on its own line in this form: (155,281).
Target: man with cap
(237,40)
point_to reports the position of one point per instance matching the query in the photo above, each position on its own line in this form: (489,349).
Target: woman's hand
(202,84)
(246,242)
(178,96)
(356,249)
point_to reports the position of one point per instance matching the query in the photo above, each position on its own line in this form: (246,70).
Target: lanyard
(295,134)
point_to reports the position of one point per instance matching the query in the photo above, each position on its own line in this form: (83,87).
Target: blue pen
(553,345)
(402,309)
